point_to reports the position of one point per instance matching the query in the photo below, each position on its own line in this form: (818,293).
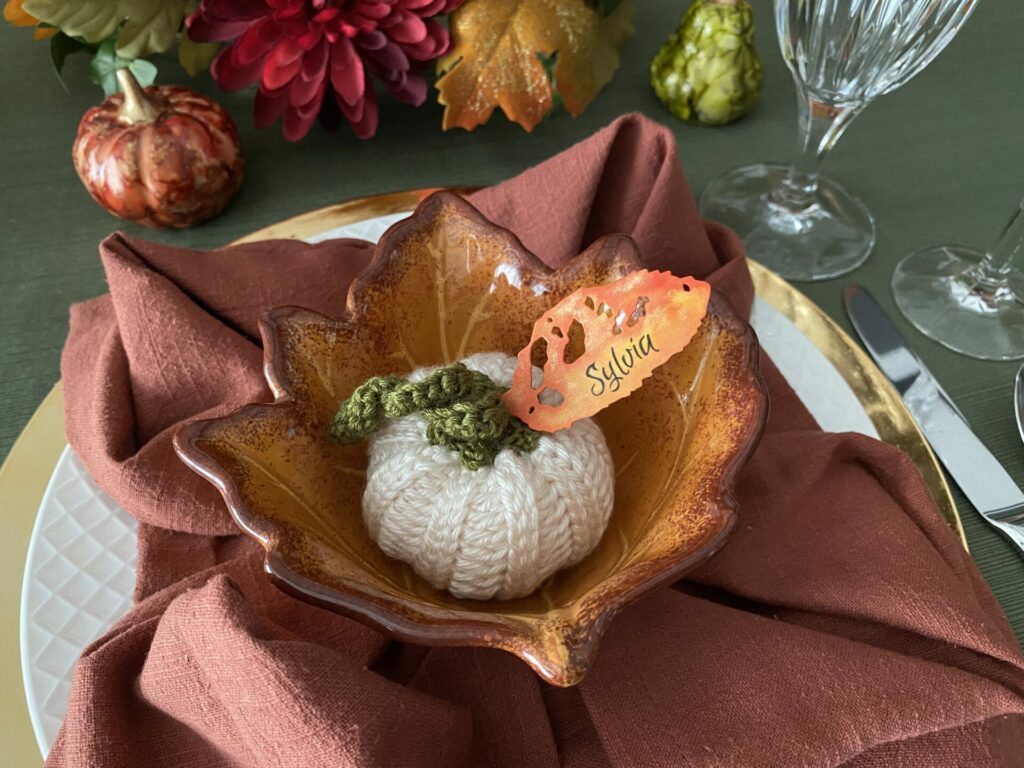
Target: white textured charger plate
(80,569)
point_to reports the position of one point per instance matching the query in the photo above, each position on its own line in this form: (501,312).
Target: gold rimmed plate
(28,468)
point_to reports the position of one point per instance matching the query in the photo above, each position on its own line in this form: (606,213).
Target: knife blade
(979,474)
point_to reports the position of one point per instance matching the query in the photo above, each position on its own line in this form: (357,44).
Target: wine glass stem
(993,272)
(820,126)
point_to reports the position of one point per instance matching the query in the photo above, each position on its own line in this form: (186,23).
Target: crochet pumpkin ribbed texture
(476,502)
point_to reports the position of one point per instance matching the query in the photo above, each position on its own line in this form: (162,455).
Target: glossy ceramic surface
(833,377)
(446,283)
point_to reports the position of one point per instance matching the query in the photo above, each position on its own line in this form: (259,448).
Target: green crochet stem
(463,410)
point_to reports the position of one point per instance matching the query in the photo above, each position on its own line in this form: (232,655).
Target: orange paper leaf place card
(598,344)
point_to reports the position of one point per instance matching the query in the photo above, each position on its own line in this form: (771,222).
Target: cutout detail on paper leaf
(600,343)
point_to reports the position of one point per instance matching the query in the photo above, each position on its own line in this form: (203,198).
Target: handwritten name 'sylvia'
(610,376)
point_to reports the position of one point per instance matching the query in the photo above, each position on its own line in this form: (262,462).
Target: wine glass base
(830,237)
(936,291)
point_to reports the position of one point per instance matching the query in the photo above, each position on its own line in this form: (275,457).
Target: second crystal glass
(843,54)
(970,300)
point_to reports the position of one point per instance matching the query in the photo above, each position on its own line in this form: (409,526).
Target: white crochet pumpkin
(494,532)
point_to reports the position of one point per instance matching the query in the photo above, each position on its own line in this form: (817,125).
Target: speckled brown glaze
(446,283)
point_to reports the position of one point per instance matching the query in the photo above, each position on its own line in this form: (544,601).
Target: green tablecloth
(940,160)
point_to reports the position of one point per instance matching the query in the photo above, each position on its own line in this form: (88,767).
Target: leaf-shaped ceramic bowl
(446,283)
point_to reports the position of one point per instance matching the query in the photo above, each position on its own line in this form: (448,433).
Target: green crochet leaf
(463,410)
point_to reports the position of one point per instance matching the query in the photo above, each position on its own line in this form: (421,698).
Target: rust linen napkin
(843,624)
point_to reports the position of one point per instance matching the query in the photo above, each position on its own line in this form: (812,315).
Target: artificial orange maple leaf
(495,58)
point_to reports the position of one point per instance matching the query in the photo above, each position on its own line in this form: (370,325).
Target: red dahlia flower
(297,50)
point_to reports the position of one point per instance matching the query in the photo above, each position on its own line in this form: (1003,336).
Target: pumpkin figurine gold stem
(137,108)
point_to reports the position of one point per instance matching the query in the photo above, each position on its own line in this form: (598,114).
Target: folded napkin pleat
(842,625)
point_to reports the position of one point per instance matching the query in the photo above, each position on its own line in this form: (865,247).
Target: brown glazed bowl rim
(426,625)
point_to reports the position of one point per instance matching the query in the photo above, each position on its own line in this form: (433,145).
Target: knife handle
(1011,515)
(1010,521)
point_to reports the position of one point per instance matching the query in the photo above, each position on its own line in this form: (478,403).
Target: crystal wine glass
(843,54)
(969,300)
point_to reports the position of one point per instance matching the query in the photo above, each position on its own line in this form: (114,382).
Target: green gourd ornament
(708,71)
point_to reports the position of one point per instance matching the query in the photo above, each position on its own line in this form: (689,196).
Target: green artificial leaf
(150,26)
(106,62)
(62,46)
(144,71)
(104,65)
(93,20)
(196,57)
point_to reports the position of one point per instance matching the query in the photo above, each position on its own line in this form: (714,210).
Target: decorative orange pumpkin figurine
(163,157)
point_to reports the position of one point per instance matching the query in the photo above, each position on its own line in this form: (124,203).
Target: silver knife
(980,476)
